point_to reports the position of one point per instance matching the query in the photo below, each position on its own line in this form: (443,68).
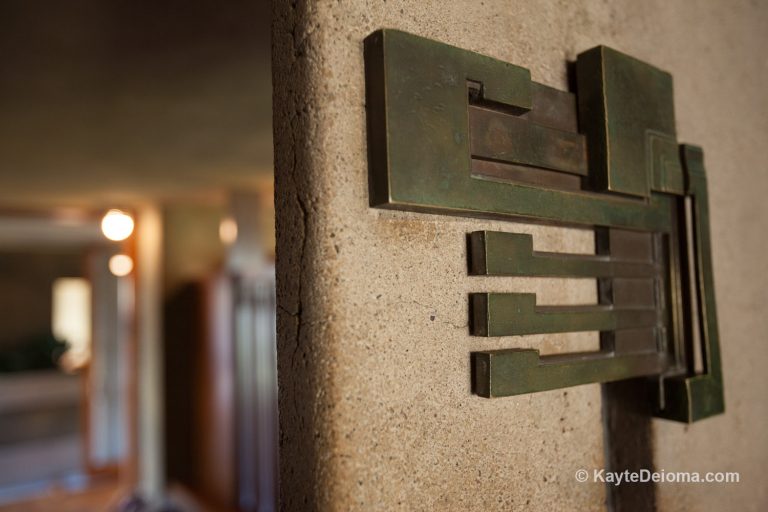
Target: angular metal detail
(457,133)
(419,140)
(694,397)
(494,253)
(627,112)
(492,370)
(505,138)
(515,314)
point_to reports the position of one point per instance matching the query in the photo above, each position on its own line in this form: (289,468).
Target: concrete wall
(373,347)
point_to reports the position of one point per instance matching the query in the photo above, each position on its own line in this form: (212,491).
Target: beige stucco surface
(373,346)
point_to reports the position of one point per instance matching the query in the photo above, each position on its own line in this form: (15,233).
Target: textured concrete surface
(373,345)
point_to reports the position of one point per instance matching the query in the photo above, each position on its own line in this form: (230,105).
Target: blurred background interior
(136,256)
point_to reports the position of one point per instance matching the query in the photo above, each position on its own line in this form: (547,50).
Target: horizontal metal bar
(552,107)
(495,253)
(504,172)
(513,314)
(499,373)
(506,138)
(631,341)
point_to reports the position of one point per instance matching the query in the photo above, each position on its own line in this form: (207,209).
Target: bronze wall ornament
(458,133)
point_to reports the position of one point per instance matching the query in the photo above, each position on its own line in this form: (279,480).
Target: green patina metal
(458,133)
(419,140)
(494,253)
(515,314)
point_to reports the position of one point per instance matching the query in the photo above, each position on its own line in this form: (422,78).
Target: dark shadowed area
(109,101)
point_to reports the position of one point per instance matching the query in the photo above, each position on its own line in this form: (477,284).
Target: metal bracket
(458,133)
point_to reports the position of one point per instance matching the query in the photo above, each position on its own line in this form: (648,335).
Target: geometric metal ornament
(458,133)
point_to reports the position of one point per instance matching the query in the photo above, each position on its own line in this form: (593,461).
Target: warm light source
(120,265)
(228,231)
(117,225)
(71,319)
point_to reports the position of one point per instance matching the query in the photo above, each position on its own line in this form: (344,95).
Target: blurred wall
(110,102)
(26,291)
(192,249)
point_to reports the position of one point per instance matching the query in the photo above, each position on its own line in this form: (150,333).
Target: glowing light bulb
(117,225)
(120,265)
